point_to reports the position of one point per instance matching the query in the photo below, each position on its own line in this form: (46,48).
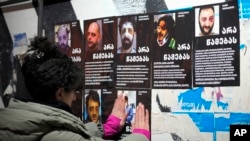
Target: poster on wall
(216,45)
(185,114)
(20,43)
(132,98)
(68,37)
(92,106)
(172,49)
(100,38)
(133,51)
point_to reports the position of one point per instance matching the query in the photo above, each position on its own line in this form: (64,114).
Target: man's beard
(163,40)
(126,45)
(160,36)
(63,45)
(92,46)
(204,32)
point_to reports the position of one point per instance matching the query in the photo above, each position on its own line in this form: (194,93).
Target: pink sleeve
(111,127)
(142,131)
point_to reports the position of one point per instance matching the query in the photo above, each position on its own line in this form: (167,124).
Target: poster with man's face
(63,37)
(68,38)
(92,106)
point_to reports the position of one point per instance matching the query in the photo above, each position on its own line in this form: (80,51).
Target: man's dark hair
(206,7)
(126,98)
(45,69)
(94,96)
(125,19)
(60,27)
(168,19)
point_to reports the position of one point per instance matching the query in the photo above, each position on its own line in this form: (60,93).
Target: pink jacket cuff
(142,131)
(111,127)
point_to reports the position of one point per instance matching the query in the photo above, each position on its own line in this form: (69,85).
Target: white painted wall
(27,20)
(177,4)
(22,21)
(91,9)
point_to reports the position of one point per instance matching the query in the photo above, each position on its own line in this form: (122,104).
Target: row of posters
(173,49)
(141,56)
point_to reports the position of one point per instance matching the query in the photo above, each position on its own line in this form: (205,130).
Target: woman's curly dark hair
(46,69)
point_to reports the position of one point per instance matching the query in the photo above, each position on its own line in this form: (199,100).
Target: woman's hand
(141,118)
(119,110)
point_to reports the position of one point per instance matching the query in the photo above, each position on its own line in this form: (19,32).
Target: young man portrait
(92,107)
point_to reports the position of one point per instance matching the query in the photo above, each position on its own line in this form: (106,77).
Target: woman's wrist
(111,127)
(142,131)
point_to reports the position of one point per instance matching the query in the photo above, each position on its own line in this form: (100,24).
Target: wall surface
(84,10)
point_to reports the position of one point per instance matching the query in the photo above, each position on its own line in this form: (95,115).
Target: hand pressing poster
(132,99)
